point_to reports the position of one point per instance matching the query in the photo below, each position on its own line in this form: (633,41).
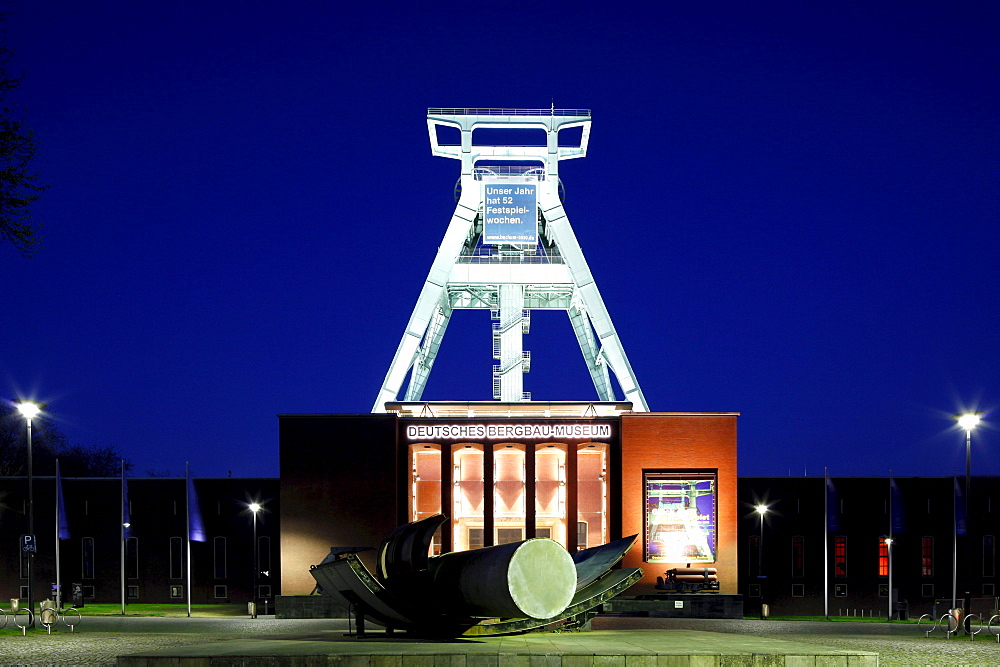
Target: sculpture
(496,590)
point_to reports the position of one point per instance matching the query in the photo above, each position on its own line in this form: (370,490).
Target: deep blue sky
(790,208)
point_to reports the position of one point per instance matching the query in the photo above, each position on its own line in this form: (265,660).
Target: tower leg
(591,354)
(431,294)
(610,345)
(428,351)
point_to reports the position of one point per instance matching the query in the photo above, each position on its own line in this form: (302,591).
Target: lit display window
(680,517)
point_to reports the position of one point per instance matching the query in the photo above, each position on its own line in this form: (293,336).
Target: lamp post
(966,421)
(761,511)
(254,507)
(29,410)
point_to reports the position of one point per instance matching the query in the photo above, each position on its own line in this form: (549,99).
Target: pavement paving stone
(615,642)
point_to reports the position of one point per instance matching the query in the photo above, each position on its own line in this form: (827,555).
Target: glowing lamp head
(968,420)
(29,409)
(253,507)
(761,509)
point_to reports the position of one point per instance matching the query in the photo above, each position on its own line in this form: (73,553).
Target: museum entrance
(495,493)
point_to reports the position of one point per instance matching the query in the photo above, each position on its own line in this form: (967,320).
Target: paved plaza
(613,641)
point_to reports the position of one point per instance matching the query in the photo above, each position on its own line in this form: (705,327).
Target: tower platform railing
(445,111)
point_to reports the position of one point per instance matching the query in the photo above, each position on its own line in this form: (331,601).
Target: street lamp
(255,508)
(966,421)
(761,511)
(29,409)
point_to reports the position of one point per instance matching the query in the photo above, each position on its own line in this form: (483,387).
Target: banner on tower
(510,214)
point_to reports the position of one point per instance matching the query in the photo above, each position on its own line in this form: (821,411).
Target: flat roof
(512,409)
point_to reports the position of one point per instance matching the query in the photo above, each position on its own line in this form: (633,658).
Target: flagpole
(58,579)
(889,544)
(187,532)
(954,545)
(121,526)
(826,543)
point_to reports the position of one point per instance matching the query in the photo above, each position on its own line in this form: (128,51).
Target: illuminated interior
(511,493)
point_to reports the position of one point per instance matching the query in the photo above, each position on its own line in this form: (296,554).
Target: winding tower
(510,248)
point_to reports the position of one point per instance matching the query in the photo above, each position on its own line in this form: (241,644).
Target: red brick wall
(680,441)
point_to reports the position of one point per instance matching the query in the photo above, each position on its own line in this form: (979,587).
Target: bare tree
(18,189)
(47,444)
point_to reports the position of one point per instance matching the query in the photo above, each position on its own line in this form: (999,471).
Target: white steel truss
(510,279)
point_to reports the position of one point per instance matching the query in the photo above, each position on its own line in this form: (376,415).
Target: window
(840,556)
(132,559)
(264,556)
(927,556)
(87,557)
(24,592)
(507,535)
(176,591)
(24,565)
(264,591)
(840,590)
(883,590)
(582,534)
(798,590)
(176,558)
(927,590)
(221,590)
(798,557)
(754,590)
(883,557)
(989,556)
(680,516)
(475,538)
(133,592)
(543,532)
(989,590)
(88,591)
(220,559)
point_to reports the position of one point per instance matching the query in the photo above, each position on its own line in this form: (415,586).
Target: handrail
(65,619)
(30,621)
(449,111)
(968,625)
(48,616)
(989,627)
(919,620)
(948,631)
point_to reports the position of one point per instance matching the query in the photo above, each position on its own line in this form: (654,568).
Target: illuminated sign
(510,213)
(680,517)
(542,431)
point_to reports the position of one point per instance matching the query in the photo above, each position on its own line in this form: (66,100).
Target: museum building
(582,474)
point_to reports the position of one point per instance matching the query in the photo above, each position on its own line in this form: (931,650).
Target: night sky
(790,209)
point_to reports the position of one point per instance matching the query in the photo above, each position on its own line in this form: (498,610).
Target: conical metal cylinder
(531,579)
